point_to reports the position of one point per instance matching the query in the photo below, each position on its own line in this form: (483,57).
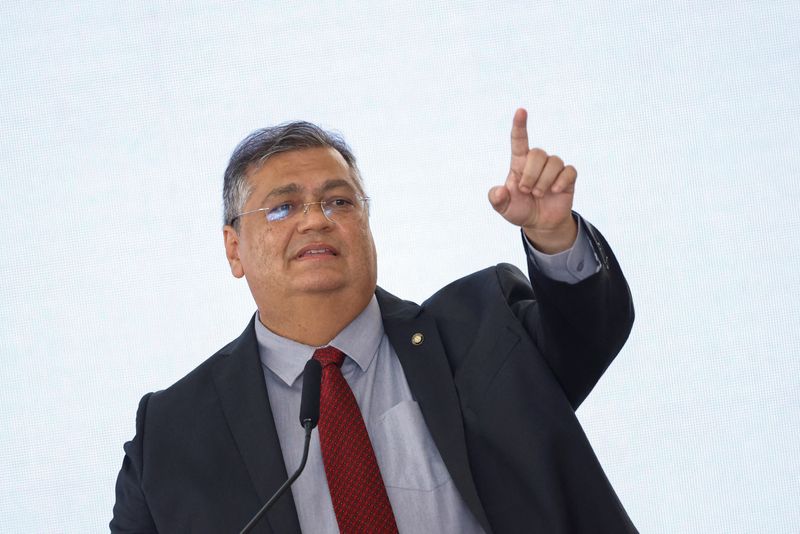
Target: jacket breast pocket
(406,453)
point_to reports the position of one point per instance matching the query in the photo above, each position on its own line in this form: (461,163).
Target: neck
(312,319)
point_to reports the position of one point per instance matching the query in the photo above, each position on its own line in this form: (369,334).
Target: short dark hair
(259,146)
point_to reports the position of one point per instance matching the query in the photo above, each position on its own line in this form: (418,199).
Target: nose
(313,218)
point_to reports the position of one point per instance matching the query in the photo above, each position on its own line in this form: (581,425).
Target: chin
(319,284)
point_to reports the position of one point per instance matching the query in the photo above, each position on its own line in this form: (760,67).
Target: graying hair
(259,146)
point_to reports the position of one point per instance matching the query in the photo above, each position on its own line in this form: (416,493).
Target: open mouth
(316,251)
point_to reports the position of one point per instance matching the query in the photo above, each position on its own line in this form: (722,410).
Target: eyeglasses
(336,209)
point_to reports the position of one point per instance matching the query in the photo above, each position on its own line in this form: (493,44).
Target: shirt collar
(359,341)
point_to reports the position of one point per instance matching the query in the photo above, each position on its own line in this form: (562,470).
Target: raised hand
(538,193)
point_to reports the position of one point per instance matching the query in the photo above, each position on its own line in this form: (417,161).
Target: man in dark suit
(468,400)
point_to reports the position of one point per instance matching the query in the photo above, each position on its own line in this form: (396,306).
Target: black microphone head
(309,400)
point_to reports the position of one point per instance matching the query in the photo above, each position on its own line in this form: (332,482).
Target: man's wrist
(553,240)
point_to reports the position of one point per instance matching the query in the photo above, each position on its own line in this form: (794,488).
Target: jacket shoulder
(500,284)
(184,394)
(479,308)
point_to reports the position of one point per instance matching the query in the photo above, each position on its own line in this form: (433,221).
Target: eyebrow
(293,188)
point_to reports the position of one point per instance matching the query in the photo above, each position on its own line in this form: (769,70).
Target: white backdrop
(682,120)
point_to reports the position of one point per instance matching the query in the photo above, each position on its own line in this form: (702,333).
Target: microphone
(309,417)
(309,399)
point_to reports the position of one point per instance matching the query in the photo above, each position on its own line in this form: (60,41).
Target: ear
(232,250)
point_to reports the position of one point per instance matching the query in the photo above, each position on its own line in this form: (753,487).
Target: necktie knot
(329,355)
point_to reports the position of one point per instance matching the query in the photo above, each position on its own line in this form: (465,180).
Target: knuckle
(537,153)
(571,172)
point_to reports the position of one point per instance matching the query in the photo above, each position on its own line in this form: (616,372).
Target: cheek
(262,253)
(367,248)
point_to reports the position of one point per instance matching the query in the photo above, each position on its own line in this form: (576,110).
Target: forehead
(308,168)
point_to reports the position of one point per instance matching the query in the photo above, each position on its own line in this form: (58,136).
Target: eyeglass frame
(306,206)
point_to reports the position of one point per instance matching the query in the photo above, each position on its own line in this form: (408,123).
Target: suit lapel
(239,381)
(431,382)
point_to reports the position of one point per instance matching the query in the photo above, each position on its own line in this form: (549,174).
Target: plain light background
(682,120)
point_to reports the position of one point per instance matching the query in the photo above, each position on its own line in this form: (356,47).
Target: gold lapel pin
(417,339)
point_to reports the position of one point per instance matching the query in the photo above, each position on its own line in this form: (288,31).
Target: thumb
(499,197)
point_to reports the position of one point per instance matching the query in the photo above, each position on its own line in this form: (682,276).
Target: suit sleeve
(131,513)
(579,327)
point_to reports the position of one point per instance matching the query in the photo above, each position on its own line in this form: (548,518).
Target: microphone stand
(307,424)
(309,416)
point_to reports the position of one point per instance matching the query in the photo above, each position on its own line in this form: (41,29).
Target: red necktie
(354,480)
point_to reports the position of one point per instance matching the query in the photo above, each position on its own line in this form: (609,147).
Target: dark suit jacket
(501,370)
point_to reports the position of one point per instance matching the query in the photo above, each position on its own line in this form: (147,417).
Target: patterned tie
(357,490)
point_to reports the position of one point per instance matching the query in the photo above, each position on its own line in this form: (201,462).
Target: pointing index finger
(519,140)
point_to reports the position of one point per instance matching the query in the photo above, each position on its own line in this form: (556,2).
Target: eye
(340,203)
(280,212)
